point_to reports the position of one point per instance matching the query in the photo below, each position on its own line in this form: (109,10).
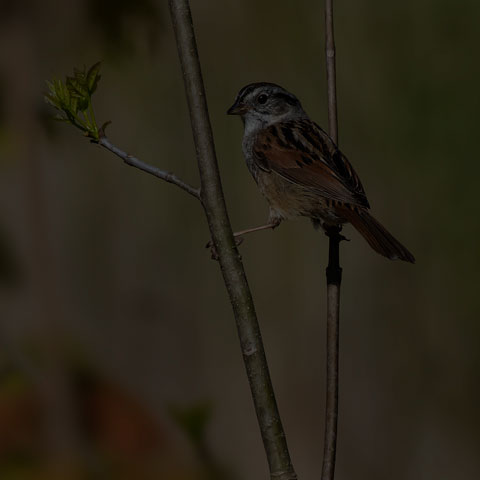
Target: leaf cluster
(73,99)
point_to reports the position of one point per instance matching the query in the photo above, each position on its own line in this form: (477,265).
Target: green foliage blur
(104,266)
(73,99)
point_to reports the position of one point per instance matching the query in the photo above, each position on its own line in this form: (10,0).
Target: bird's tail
(377,236)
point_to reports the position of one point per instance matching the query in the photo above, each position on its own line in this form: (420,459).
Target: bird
(300,170)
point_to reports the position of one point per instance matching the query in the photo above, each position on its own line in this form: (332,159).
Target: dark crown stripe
(247,89)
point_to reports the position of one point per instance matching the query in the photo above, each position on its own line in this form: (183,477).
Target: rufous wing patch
(302,153)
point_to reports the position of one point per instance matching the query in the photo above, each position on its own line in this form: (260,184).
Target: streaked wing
(303,153)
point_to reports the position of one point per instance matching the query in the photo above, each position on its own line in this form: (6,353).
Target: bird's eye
(262,98)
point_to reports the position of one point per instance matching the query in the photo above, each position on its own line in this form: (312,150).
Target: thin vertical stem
(334,278)
(334,272)
(230,262)
(331,72)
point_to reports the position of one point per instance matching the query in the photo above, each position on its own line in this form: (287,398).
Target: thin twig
(331,72)
(222,236)
(135,162)
(334,273)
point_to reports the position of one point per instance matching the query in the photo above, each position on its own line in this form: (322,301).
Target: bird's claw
(213,250)
(334,231)
(238,241)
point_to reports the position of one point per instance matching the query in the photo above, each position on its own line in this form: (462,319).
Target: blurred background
(119,356)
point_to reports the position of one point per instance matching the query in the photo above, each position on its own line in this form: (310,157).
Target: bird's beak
(237,109)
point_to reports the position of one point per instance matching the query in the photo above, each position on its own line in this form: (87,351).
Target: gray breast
(247,147)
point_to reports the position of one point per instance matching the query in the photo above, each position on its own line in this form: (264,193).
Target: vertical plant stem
(334,272)
(93,122)
(331,72)
(230,262)
(334,278)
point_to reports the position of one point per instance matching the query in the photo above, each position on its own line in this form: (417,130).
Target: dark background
(119,356)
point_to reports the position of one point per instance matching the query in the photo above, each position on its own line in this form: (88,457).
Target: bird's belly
(288,200)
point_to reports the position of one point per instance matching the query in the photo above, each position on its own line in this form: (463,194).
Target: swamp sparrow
(300,171)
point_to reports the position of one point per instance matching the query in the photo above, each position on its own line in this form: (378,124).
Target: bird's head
(266,103)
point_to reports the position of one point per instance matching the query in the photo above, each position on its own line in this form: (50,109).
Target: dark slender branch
(334,278)
(135,162)
(222,236)
(334,273)
(331,72)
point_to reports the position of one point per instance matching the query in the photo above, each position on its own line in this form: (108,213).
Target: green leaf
(73,98)
(93,77)
(51,87)
(52,100)
(70,116)
(63,94)
(61,118)
(80,75)
(76,87)
(73,107)
(82,104)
